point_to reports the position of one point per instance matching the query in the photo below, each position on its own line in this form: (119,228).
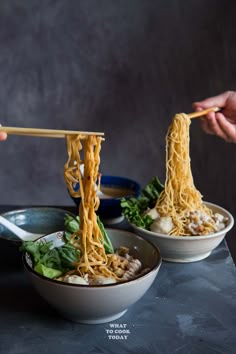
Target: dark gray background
(124,67)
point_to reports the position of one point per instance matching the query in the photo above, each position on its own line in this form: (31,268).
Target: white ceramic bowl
(187,248)
(104,303)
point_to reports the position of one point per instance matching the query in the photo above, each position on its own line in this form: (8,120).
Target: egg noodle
(180,196)
(89,238)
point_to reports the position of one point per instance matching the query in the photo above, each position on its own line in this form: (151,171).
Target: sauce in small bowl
(115,192)
(113,188)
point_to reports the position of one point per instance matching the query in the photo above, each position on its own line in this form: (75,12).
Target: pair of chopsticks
(52,133)
(46,133)
(203,112)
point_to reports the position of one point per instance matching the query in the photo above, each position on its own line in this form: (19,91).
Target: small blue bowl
(109,209)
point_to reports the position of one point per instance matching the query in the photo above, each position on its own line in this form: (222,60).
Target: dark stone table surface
(190,308)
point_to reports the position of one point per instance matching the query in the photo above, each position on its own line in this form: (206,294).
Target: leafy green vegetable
(36,249)
(72,225)
(68,255)
(52,262)
(60,259)
(47,272)
(133,208)
(107,242)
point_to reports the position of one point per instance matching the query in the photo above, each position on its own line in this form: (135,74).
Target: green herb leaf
(107,242)
(133,208)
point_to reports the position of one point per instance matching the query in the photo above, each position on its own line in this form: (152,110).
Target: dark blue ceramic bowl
(109,209)
(42,220)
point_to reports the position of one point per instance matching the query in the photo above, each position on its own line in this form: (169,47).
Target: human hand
(223,123)
(3,136)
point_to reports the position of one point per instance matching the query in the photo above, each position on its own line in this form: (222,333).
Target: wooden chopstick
(203,113)
(47,133)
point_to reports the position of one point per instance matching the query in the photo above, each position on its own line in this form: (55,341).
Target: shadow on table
(24,300)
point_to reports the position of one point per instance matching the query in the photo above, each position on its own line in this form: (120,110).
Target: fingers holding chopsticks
(3,135)
(223,123)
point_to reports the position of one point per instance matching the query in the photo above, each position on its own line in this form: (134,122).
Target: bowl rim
(35,208)
(102,286)
(198,237)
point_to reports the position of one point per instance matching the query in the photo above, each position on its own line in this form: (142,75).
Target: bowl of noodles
(191,248)
(98,294)
(87,273)
(173,215)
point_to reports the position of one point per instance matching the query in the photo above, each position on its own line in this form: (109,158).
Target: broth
(116,192)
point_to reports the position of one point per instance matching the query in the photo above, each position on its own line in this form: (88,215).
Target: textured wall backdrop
(122,67)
